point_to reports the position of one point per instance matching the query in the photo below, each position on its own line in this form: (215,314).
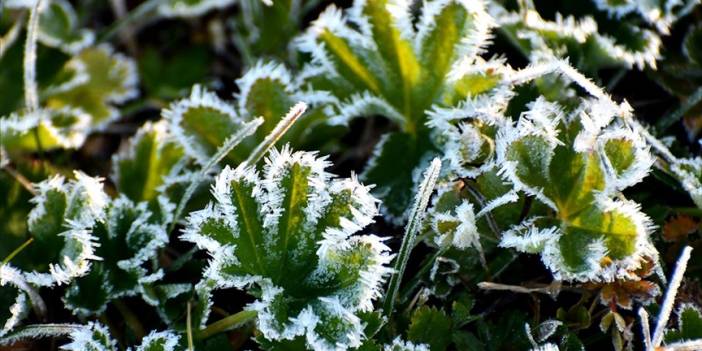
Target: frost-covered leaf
(128,243)
(375,61)
(65,128)
(60,223)
(91,337)
(159,341)
(105,78)
(595,42)
(202,122)
(689,325)
(58,27)
(13,299)
(573,167)
(140,169)
(289,232)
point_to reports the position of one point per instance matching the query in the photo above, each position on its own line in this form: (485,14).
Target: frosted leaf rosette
(399,61)
(577,163)
(60,224)
(129,245)
(286,235)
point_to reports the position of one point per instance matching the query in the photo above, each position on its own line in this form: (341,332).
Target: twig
(139,12)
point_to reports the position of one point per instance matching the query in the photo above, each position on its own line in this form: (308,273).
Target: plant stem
(275,135)
(415,222)
(226,323)
(17,251)
(189,328)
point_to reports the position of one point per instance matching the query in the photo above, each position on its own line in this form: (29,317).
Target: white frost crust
(176,8)
(401,345)
(164,340)
(84,338)
(199,98)
(527,237)
(12,278)
(639,169)
(333,20)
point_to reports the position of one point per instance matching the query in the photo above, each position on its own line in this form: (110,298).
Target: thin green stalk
(17,251)
(280,129)
(226,323)
(692,101)
(139,12)
(415,222)
(417,279)
(189,328)
(223,150)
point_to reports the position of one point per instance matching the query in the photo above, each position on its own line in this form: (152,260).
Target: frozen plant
(286,236)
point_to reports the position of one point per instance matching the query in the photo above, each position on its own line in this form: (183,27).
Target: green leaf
(140,168)
(289,233)
(111,78)
(44,130)
(60,225)
(58,27)
(430,326)
(201,123)
(14,301)
(689,325)
(128,243)
(170,76)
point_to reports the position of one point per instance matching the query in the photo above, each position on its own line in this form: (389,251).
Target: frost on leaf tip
(290,231)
